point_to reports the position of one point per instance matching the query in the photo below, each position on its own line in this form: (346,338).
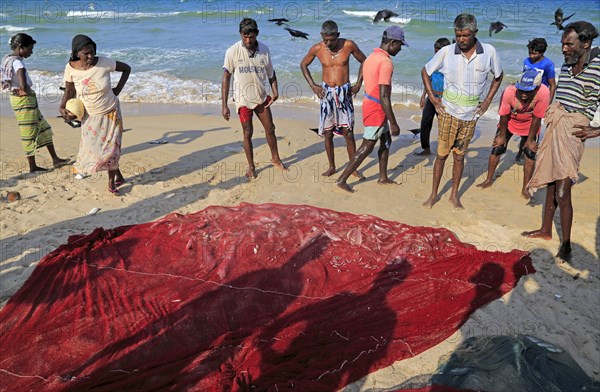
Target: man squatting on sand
(465,65)
(250,61)
(378,116)
(568,127)
(335,91)
(522,108)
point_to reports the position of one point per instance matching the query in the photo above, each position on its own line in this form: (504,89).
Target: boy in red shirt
(521,111)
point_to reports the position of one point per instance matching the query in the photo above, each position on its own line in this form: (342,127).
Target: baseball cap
(529,81)
(396,33)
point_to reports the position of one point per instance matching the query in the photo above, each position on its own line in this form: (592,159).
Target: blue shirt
(545,66)
(437,82)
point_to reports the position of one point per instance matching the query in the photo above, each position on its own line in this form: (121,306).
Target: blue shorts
(374,133)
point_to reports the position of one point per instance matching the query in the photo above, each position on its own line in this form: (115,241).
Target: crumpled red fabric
(254,297)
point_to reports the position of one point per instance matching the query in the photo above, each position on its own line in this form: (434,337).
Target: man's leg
(519,157)
(438,169)
(383,154)
(426,124)
(248,130)
(328,135)
(266,118)
(492,165)
(351,149)
(457,170)
(563,197)
(545,232)
(363,151)
(527,173)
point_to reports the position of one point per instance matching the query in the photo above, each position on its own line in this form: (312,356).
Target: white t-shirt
(14,81)
(250,74)
(93,86)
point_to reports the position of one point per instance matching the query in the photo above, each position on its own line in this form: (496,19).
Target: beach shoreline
(202,163)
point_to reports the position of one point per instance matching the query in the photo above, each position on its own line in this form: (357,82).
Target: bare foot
(456,202)
(430,202)
(485,184)
(329,172)
(251,173)
(423,153)
(537,234)
(37,169)
(358,175)
(345,187)
(564,253)
(60,162)
(279,164)
(387,181)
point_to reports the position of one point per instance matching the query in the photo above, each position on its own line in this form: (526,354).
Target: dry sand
(203,164)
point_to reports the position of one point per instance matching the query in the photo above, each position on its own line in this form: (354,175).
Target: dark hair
(538,45)
(21,40)
(585,30)
(79,42)
(329,28)
(440,43)
(248,26)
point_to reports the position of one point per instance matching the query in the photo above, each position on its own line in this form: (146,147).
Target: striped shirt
(580,93)
(465,80)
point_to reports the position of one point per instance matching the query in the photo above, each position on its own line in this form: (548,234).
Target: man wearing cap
(568,126)
(465,65)
(521,111)
(378,117)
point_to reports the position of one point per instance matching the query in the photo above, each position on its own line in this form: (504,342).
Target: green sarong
(35,130)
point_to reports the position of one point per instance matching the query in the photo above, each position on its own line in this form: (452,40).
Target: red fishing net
(281,297)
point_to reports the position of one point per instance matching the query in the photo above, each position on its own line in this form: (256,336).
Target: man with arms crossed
(568,127)
(335,92)
(465,65)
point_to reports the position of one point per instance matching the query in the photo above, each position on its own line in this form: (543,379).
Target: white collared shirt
(465,80)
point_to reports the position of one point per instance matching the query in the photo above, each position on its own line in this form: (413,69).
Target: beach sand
(203,164)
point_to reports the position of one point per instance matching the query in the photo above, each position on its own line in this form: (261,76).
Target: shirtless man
(335,92)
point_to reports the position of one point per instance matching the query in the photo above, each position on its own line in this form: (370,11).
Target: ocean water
(176,47)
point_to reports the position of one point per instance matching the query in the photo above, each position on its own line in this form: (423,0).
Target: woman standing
(35,130)
(88,77)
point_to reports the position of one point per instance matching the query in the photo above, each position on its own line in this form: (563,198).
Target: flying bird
(280,21)
(297,33)
(385,15)
(558,19)
(496,27)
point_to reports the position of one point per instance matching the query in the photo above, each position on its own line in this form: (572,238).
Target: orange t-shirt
(377,69)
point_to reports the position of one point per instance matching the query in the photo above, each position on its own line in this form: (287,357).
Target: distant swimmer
(297,33)
(496,27)
(558,19)
(385,15)
(280,21)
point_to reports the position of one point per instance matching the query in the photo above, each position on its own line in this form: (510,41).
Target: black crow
(496,27)
(297,33)
(385,15)
(558,19)
(279,21)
